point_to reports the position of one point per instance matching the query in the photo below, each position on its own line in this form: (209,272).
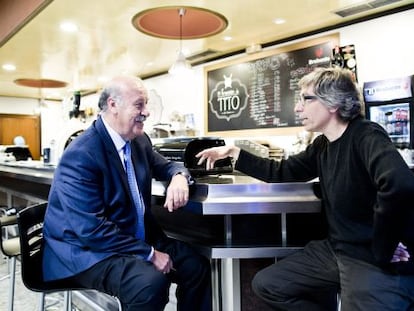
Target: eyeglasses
(307,98)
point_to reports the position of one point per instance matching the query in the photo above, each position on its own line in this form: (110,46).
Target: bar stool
(30,223)
(10,247)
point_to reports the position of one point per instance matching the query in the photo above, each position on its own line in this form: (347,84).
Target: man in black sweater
(367,192)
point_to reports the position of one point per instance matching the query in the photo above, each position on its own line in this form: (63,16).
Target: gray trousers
(310,279)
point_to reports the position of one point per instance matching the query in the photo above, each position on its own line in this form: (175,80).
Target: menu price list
(271,85)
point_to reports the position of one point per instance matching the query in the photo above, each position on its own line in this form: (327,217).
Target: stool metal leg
(119,304)
(12,262)
(67,297)
(42,301)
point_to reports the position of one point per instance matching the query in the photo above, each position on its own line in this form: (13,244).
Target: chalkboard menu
(260,91)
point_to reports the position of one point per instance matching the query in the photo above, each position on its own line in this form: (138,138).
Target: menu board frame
(231,87)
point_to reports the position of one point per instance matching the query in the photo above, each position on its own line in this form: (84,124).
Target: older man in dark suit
(94,233)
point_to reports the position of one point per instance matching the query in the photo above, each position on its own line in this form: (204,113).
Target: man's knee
(196,269)
(260,283)
(267,287)
(154,290)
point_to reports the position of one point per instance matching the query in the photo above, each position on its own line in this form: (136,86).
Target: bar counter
(27,180)
(228,218)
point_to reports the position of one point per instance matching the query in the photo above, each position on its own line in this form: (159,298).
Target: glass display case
(390,103)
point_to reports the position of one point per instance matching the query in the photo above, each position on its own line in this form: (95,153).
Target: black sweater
(367,189)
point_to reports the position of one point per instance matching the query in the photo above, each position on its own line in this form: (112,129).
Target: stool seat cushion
(11,247)
(8,220)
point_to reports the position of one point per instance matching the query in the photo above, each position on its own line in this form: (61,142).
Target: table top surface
(211,195)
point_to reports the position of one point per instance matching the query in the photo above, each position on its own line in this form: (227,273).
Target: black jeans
(310,279)
(140,287)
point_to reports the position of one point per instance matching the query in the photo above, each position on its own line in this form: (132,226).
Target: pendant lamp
(161,22)
(181,65)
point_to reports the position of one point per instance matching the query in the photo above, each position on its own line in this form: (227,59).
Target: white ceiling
(106,43)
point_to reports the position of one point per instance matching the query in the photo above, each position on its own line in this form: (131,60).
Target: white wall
(11,105)
(384,46)
(184,95)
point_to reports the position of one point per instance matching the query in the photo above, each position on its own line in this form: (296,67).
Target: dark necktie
(136,195)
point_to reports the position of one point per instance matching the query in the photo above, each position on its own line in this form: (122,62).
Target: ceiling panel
(107,43)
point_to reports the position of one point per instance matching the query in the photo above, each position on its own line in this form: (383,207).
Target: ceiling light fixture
(69,27)
(181,65)
(40,83)
(161,22)
(279,21)
(9,67)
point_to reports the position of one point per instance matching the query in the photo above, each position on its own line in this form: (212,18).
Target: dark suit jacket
(90,215)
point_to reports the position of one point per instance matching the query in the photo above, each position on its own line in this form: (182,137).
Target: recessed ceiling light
(9,67)
(279,21)
(227,38)
(68,27)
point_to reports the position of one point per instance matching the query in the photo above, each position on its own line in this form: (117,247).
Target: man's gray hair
(115,89)
(336,88)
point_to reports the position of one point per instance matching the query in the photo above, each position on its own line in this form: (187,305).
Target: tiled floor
(25,300)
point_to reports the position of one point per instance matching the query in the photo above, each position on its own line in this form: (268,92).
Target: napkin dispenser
(185,149)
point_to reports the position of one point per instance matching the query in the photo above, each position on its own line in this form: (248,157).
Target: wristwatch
(190,179)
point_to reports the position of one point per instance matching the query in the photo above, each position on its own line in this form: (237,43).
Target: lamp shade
(180,66)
